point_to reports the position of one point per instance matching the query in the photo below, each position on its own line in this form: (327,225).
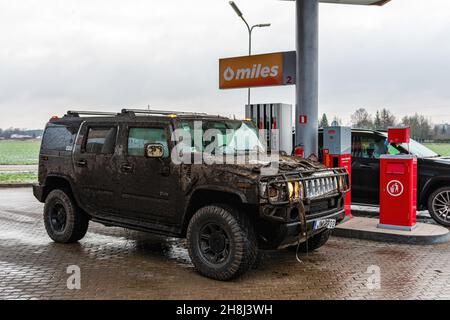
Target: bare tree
(387,119)
(421,128)
(362,119)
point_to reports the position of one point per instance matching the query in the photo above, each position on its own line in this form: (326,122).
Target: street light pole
(250,31)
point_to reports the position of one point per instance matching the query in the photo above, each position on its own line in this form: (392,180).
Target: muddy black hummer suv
(118,169)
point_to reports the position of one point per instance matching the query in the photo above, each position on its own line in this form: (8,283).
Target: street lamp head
(264,25)
(235,8)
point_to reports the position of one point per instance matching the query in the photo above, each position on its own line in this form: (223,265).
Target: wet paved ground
(119,264)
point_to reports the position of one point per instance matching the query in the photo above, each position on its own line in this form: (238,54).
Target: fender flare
(428,188)
(213,188)
(71,183)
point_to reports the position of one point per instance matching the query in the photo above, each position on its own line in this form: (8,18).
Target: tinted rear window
(59,138)
(101,140)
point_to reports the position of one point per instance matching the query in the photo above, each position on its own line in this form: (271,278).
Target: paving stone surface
(121,264)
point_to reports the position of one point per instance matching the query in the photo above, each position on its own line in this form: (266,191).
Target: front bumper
(289,233)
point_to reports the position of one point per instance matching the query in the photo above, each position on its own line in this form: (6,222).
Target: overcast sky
(108,54)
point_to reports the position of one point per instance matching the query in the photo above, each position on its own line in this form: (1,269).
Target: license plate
(325,223)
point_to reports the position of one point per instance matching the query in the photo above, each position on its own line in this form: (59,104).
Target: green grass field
(27,152)
(17,177)
(440,148)
(19,152)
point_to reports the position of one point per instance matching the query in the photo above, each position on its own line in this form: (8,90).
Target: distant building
(20,136)
(444,127)
(442,131)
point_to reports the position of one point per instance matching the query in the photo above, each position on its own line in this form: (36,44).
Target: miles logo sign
(257,71)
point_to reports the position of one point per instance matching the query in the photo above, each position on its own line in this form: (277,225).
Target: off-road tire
(242,242)
(76,221)
(433,213)
(314,243)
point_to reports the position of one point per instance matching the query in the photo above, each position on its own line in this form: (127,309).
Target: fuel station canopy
(307,73)
(358,2)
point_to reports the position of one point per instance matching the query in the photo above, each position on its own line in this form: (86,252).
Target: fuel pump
(276,119)
(337,153)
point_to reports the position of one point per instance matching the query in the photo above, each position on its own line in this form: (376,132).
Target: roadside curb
(366,229)
(15,185)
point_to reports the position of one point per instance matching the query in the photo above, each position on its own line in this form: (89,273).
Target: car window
(101,140)
(393,150)
(59,138)
(139,137)
(368,147)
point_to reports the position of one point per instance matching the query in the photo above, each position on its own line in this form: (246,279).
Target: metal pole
(240,15)
(249,49)
(249,53)
(307,87)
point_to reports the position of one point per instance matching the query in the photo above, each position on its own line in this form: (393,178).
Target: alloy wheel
(441,205)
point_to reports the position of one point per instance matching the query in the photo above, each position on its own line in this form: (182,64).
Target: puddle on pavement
(142,244)
(14,237)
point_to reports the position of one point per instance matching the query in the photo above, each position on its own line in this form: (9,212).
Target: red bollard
(398,192)
(398,186)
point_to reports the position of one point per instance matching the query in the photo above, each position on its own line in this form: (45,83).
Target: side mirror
(154,150)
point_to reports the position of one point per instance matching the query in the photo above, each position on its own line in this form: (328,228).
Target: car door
(95,166)
(149,186)
(366,151)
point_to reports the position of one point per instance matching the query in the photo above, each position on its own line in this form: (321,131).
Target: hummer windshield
(221,136)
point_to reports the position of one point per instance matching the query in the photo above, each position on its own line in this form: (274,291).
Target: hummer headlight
(269,192)
(294,190)
(291,190)
(263,189)
(298,190)
(273,193)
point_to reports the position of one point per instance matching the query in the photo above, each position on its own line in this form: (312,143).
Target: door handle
(82,163)
(126,167)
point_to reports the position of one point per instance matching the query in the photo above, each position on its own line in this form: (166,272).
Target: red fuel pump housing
(299,152)
(337,154)
(398,192)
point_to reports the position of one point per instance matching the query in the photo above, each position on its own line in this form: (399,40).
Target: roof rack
(133,112)
(73,113)
(162,112)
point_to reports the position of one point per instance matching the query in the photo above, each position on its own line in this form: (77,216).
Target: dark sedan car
(433,185)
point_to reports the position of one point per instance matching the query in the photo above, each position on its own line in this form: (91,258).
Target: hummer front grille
(319,187)
(314,184)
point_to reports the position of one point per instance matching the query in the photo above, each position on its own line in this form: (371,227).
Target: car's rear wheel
(64,221)
(221,242)
(439,206)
